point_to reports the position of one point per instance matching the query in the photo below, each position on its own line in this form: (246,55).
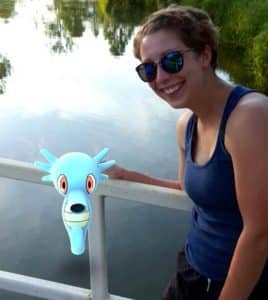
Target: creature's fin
(47,178)
(49,156)
(42,166)
(101,154)
(103,177)
(106,165)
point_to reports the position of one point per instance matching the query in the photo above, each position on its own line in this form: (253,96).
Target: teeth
(171,90)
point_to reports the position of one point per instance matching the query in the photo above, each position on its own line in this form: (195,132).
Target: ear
(206,56)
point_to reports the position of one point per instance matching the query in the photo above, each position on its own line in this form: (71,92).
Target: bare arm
(130,175)
(118,172)
(246,140)
(181,130)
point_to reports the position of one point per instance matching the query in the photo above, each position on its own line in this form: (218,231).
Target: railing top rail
(144,193)
(149,194)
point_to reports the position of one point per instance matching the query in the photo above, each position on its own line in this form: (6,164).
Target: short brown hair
(192,25)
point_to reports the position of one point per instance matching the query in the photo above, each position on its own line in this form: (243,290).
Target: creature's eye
(62,184)
(90,183)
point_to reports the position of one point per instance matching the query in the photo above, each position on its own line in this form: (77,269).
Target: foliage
(242,25)
(5,71)
(69,23)
(242,40)
(7,9)
(72,13)
(119,20)
(259,53)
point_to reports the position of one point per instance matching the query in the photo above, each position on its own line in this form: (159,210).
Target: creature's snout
(77,208)
(76,215)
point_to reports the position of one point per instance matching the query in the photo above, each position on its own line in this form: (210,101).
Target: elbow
(258,238)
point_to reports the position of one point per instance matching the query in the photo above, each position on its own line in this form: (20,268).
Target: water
(74,102)
(67,83)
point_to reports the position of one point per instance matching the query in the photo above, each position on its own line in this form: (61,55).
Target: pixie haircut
(193,27)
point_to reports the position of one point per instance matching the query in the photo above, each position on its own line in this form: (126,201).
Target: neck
(209,104)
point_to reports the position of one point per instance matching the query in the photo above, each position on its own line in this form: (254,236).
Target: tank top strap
(234,97)
(189,133)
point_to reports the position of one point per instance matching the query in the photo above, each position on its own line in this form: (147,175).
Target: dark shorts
(187,284)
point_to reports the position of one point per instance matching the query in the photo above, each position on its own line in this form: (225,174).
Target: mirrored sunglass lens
(147,72)
(172,62)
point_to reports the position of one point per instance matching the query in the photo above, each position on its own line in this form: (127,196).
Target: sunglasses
(171,62)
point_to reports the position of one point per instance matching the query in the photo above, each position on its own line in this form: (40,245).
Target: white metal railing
(46,289)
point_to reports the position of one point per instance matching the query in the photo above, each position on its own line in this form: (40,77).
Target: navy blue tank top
(216,222)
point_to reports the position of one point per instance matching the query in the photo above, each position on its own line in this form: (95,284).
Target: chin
(176,105)
(176,102)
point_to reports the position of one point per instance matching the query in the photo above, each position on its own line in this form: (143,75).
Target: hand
(115,172)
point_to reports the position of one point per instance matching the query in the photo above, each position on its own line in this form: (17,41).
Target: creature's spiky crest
(45,166)
(101,155)
(51,158)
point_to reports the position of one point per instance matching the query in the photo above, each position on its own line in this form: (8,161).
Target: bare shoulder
(251,107)
(252,100)
(249,119)
(181,127)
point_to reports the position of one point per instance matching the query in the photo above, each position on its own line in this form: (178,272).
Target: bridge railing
(132,191)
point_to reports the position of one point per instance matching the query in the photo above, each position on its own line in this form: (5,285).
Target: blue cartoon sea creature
(75,175)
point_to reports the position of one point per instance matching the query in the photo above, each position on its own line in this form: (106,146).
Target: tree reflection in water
(7,9)
(5,71)
(243,27)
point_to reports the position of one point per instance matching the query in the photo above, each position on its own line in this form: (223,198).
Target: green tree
(72,13)
(259,55)
(7,9)
(5,71)
(243,33)
(69,23)
(242,40)
(119,19)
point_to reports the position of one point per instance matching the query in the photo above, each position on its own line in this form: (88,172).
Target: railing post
(97,250)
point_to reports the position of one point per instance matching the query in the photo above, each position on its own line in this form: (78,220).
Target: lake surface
(68,84)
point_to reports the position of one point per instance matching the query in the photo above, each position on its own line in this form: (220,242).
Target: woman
(223,161)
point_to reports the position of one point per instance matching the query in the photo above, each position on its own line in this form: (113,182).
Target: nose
(161,75)
(77,208)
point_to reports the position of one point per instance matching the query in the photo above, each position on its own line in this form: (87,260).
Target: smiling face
(178,89)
